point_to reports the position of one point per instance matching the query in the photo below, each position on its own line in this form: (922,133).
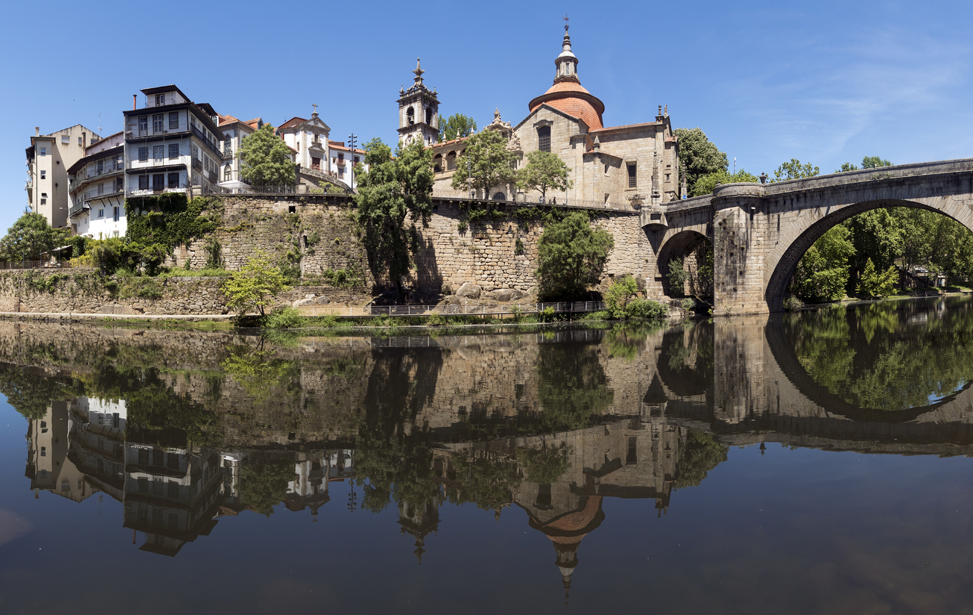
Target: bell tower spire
(567,62)
(418,112)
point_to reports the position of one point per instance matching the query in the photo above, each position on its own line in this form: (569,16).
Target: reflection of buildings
(48,465)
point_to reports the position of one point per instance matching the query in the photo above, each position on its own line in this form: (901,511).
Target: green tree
(544,170)
(698,156)
(571,256)
(822,273)
(491,164)
(877,284)
(619,294)
(456,126)
(263,482)
(795,170)
(874,162)
(266,159)
(394,198)
(706,183)
(256,285)
(29,238)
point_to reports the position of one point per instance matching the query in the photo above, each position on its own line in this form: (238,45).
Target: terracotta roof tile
(294,121)
(576,107)
(626,126)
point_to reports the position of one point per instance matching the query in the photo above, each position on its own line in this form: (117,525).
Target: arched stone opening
(686,362)
(451,161)
(410,115)
(499,196)
(781,264)
(691,252)
(437,163)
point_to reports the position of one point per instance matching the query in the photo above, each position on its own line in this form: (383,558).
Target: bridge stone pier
(759,232)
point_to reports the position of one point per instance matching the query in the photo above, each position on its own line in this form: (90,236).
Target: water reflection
(187,430)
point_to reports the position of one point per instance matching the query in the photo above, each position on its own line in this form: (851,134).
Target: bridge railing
(470,309)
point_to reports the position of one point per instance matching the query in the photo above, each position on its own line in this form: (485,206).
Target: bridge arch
(679,245)
(800,232)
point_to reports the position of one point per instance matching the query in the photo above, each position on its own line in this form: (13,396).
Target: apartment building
(48,159)
(233,132)
(171,145)
(96,186)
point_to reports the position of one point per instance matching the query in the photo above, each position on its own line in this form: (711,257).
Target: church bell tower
(418,112)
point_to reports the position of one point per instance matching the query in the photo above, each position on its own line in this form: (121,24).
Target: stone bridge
(759,232)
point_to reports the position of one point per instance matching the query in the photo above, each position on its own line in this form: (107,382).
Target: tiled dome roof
(571,98)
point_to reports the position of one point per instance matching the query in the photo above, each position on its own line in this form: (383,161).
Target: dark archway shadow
(679,245)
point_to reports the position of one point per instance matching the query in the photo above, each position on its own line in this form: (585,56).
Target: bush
(255,286)
(646,309)
(284,318)
(619,294)
(688,304)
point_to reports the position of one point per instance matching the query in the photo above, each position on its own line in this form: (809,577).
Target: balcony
(77,209)
(213,145)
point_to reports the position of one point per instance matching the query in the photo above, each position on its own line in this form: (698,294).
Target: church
(634,165)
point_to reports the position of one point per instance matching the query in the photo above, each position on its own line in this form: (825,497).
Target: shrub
(619,294)
(284,318)
(255,286)
(646,309)
(688,304)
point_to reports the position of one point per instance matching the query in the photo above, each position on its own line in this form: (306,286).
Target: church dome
(567,94)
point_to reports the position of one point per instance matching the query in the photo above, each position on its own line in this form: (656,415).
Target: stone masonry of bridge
(759,232)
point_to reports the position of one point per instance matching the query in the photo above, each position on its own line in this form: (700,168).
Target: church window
(632,183)
(411,116)
(227,173)
(429,116)
(544,138)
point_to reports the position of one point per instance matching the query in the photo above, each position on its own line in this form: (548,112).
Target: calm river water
(811,463)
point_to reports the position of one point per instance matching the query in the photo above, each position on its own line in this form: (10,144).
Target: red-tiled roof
(626,126)
(294,121)
(571,98)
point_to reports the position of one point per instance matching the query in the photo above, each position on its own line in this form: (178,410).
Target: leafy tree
(544,170)
(29,238)
(822,273)
(266,159)
(456,126)
(491,163)
(618,295)
(868,162)
(698,156)
(700,454)
(795,170)
(571,256)
(876,284)
(707,183)
(256,285)
(394,198)
(572,386)
(876,235)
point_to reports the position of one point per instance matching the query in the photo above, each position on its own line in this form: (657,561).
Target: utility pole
(352,140)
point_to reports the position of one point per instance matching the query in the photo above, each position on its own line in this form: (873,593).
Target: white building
(48,159)
(234,131)
(171,145)
(97,190)
(343,159)
(309,138)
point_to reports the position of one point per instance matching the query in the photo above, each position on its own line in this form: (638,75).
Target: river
(817,462)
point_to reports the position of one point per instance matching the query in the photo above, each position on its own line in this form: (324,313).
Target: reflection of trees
(262,374)
(700,454)
(263,482)
(393,462)
(487,479)
(572,385)
(31,391)
(886,356)
(545,464)
(625,339)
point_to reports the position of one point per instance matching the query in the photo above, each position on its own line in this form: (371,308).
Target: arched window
(411,116)
(429,115)
(499,197)
(227,173)
(544,138)
(451,161)
(437,163)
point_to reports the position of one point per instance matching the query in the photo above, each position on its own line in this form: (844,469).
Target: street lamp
(352,140)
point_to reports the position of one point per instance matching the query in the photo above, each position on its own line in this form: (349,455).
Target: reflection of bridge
(759,232)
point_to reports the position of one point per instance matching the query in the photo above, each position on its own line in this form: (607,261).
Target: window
(143,182)
(143,154)
(143,125)
(101,213)
(80,142)
(173,521)
(143,484)
(227,173)
(119,184)
(157,488)
(43,174)
(196,152)
(101,189)
(632,179)
(100,167)
(356,159)
(43,201)
(43,151)
(173,489)
(411,116)
(159,152)
(158,123)
(173,180)
(174,120)
(160,99)
(66,139)
(158,183)
(115,214)
(544,138)
(173,150)
(43,451)
(429,115)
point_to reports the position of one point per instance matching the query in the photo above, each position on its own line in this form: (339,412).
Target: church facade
(634,164)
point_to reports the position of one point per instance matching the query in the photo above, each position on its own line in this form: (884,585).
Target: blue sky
(824,82)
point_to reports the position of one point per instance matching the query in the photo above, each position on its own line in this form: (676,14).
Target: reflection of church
(633,164)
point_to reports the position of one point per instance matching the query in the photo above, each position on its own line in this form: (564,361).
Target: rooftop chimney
(135,98)
(37,131)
